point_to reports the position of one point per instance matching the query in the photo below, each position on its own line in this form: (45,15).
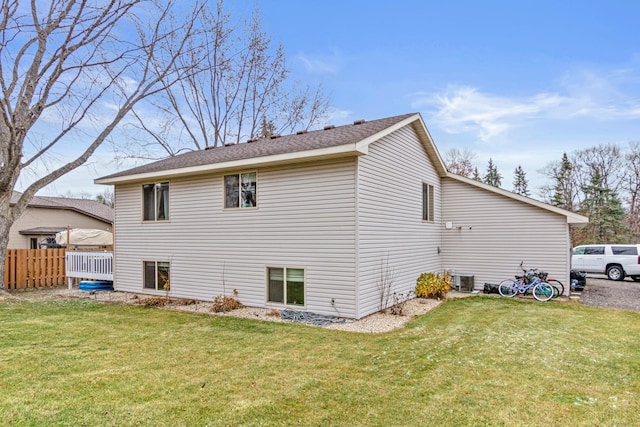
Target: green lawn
(472,361)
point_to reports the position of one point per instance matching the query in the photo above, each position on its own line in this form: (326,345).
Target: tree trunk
(8,216)
(5,225)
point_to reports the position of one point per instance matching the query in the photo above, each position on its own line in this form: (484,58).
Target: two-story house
(323,221)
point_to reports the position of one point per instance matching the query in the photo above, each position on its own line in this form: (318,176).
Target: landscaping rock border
(375,323)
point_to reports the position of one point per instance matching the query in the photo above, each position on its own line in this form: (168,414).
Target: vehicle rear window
(596,250)
(624,250)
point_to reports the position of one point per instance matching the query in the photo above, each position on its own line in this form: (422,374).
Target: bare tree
(242,82)
(614,170)
(107,197)
(77,68)
(605,160)
(83,195)
(460,161)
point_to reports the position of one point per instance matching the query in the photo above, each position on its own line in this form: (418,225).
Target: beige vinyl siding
(390,226)
(498,232)
(305,218)
(43,217)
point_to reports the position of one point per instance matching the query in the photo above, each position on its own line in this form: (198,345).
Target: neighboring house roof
(331,142)
(572,217)
(37,231)
(87,207)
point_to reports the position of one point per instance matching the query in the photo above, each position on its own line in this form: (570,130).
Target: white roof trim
(572,217)
(432,149)
(317,154)
(429,145)
(364,144)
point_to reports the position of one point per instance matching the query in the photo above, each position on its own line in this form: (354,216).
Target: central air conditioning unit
(462,282)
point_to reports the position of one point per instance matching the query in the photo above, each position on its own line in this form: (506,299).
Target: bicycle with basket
(558,287)
(534,281)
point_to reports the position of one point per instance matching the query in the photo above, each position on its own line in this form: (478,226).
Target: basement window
(285,285)
(156,275)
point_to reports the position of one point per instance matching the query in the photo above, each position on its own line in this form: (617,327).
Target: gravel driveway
(602,292)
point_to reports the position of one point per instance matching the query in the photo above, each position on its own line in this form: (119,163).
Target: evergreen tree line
(601,182)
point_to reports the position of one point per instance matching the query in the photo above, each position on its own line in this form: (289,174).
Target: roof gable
(348,140)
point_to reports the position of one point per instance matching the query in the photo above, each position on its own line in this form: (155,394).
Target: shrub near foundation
(223,303)
(433,285)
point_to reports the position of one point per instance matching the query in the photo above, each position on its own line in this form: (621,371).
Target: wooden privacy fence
(34,268)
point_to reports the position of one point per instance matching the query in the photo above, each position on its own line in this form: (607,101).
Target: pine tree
(492,176)
(520,183)
(267,128)
(606,214)
(476,175)
(563,190)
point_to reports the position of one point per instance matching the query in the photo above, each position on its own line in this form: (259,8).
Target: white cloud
(462,109)
(604,95)
(335,116)
(319,64)
(582,94)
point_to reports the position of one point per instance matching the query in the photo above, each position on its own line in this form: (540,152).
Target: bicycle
(557,284)
(558,287)
(541,290)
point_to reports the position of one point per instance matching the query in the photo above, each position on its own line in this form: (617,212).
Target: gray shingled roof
(42,230)
(312,140)
(88,207)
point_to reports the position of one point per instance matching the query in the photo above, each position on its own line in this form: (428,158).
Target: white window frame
(428,202)
(224,191)
(284,285)
(155,202)
(144,275)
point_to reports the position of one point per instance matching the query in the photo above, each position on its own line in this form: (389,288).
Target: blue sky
(518,81)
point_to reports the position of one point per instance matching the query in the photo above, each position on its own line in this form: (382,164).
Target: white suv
(616,261)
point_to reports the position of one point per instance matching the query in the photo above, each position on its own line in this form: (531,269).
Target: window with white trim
(240,190)
(285,285)
(428,208)
(155,201)
(156,275)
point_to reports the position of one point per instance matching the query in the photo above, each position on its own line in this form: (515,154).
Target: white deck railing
(89,265)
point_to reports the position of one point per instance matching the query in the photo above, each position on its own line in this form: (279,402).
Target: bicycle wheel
(543,291)
(508,288)
(558,284)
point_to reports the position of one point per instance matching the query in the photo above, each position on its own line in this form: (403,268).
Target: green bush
(433,285)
